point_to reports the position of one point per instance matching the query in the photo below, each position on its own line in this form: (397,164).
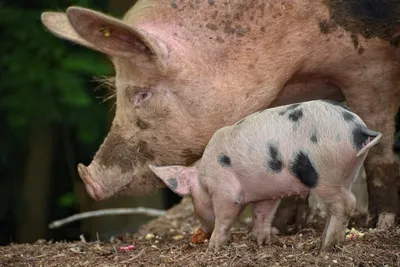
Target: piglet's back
(320,129)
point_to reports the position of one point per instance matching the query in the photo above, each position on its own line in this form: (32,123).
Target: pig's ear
(178,178)
(107,35)
(57,23)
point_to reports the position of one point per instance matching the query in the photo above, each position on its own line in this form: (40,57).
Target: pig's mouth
(102,183)
(99,188)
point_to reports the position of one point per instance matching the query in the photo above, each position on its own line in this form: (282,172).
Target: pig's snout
(93,188)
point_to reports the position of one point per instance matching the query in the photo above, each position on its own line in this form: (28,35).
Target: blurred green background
(53,115)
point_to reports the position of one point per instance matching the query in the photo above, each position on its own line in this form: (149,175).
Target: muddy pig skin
(289,150)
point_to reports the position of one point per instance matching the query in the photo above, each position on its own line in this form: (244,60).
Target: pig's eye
(140,97)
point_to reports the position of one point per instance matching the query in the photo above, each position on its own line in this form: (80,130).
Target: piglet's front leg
(263,214)
(226,213)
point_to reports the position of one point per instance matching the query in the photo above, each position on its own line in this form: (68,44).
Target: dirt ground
(170,246)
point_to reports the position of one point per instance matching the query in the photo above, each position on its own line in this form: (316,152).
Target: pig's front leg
(263,214)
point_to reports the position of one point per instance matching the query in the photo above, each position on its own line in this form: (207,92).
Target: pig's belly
(306,88)
(268,187)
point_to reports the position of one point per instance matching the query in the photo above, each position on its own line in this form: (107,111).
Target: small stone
(154,246)
(247,220)
(149,236)
(76,249)
(335,261)
(177,237)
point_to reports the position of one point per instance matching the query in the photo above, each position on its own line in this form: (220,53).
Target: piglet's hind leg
(340,203)
(263,214)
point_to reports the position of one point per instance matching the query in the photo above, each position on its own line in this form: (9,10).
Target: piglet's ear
(178,178)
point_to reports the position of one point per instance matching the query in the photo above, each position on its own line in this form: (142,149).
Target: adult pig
(283,151)
(187,68)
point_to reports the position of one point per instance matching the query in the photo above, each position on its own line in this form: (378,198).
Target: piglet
(314,146)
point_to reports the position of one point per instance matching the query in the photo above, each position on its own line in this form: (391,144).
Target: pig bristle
(147,185)
(109,84)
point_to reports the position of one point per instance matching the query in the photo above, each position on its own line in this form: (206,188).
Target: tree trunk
(32,219)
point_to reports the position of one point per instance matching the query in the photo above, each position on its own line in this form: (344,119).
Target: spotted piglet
(289,150)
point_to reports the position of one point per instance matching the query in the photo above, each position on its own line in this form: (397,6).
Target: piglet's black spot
(172,183)
(274,159)
(335,103)
(347,116)
(224,160)
(302,167)
(296,115)
(291,107)
(314,137)
(359,137)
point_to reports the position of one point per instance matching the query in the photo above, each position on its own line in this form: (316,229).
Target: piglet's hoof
(200,236)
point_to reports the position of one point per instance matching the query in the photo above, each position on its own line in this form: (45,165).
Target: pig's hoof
(322,254)
(261,241)
(211,249)
(386,220)
(262,237)
(325,249)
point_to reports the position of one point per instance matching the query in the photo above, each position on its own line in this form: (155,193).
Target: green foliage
(45,79)
(68,200)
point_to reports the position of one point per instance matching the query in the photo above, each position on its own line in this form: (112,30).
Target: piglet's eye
(140,97)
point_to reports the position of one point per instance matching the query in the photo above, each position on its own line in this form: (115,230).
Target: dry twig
(97,213)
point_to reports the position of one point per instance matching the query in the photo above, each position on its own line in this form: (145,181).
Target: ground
(170,246)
